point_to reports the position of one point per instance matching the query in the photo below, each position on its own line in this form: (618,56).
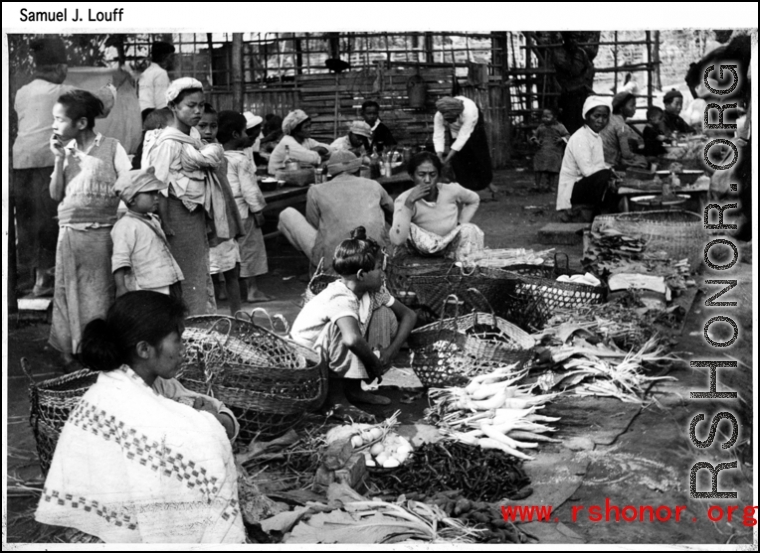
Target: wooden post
(615,54)
(656,60)
(529,76)
(210,46)
(650,89)
(299,55)
(237,72)
(429,48)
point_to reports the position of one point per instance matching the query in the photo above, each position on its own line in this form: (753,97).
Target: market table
(699,192)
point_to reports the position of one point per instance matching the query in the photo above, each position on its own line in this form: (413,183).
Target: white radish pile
(493,412)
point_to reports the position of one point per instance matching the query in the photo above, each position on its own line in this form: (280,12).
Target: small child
(141,257)
(87,167)
(550,136)
(224,258)
(654,133)
(250,201)
(381,135)
(155,121)
(351,317)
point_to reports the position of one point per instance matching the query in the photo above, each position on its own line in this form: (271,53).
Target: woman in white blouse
(585,178)
(469,155)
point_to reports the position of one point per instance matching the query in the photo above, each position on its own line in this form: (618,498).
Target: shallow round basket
(678,232)
(657,200)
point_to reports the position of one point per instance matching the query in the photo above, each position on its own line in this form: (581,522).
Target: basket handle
(229,330)
(278,316)
(485,300)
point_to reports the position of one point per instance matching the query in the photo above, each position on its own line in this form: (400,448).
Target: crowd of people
(190,230)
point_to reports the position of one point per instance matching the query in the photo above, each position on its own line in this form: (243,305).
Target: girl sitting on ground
(352,317)
(141,458)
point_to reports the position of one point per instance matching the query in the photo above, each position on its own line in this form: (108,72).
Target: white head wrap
(179,85)
(292,120)
(594,102)
(252,120)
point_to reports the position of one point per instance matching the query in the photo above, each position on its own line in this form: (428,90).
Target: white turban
(594,102)
(292,120)
(179,85)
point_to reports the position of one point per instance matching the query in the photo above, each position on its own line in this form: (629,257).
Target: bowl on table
(268,184)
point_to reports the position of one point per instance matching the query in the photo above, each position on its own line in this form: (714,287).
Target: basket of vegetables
(487,337)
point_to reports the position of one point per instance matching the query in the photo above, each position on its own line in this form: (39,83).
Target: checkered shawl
(132,466)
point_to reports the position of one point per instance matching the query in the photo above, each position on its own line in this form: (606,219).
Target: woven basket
(318,282)
(680,233)
(271,391)
(538,295)
(433,285)
(51,402)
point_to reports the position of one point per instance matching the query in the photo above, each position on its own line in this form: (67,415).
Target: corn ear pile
(493,412)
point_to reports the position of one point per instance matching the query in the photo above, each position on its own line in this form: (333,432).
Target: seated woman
(141,458)
(356,323)
(672,120)
(585,178)
(335,208)
(616,135)
(433,218)
(296,128)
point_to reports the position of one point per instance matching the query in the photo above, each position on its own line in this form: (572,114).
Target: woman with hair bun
(356,323)
(141,458)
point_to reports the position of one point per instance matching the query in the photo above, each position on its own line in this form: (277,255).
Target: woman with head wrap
(469,155)
(616,135)
(296,128)
(187,166)
(585,178)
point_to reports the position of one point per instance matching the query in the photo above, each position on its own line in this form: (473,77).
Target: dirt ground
(611,451)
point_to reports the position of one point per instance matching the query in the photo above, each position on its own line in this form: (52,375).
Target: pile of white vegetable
(381,447)
(493,412)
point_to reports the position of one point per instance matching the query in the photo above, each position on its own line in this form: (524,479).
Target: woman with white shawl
(141,459)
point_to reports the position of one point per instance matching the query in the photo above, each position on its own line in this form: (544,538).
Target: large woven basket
(434,284)
(269,382)
(51,402)
(678,232)
(538,295)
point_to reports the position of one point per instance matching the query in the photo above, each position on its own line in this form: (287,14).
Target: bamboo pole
(650,89)
(615,54)
(237,72)
(656,58)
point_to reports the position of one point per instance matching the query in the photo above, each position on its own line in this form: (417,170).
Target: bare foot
(258,297)
(361,396)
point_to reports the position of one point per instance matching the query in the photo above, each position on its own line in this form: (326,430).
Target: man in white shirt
(154,80)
